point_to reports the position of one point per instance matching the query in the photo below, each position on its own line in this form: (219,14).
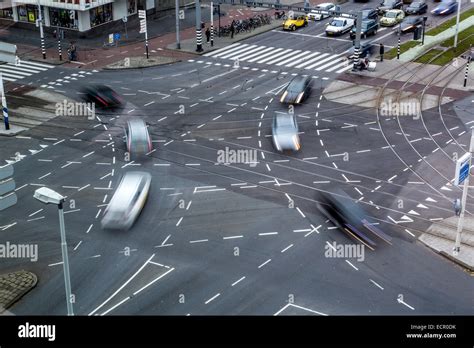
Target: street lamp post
(46,195)
(457,24)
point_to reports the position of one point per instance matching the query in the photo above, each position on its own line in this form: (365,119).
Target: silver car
(285,132)
(137,138)
(127,201)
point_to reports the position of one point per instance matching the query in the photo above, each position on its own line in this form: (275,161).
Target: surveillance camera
(47,196)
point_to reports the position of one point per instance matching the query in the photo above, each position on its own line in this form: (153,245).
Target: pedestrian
(208,34)
(232,29)
(381,51)
(72,52)
(457,206)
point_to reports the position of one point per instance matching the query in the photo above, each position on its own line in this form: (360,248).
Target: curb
(448,256)
(141,67)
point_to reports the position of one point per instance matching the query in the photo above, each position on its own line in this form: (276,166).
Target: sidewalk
(441,237)
(432,41)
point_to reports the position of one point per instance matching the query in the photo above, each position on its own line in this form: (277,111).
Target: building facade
(77,15)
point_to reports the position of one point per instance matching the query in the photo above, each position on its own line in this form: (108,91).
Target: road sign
(8,201)
(117,36)
(463,165)
(7,52)
(111,38)
(7,186)
(143,28)
(6,171)
(141,14)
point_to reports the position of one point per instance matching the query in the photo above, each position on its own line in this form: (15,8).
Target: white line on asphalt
(263,264)
(288,247)
(377,285)
(238,281)
(299,211)
(233,237)
(212,298)
(152,282)
(199,241)
(352,265)
(267,233)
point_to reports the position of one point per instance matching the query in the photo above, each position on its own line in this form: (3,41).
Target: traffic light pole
(356,62)
(4,104)
(178,43)
(198,27)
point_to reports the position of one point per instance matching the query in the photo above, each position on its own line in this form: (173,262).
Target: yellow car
(295,22)
(392,17)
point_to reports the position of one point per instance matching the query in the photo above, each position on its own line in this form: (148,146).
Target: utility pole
(457,24)
(457,245)
(178,43)
(357,42)
(40,20)
(198,27)
(212,24)
(4,104)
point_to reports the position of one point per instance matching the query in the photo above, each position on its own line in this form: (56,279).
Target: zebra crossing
(14,72)
(282,57)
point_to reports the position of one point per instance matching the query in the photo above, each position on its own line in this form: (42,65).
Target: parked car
(295,22)
(445,8)
(327,6)
(410,23)
(339,26)
(285,132)
(417,8)
(388,5)
(297,90)
(127,201)
(392,17)
(368,27)
(137,138)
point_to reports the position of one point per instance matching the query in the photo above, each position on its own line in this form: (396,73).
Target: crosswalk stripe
(344,69)
(237,54)
(19,68)
(210,54)
(265,55)
(294,59)
(305,58)
(259,53)
(231,50)
(322,61)
(310,61)
(345,62)
(15,72)
(275,58)
(7,78)
(8,74)
(47,66)
(329,64)
(297,52)
(25,65)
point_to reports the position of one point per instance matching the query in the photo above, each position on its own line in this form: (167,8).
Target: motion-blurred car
(297,90)
(366,49)
(349,217)
(327,6)
(127,201)
(137,137)
(295,22)
(445,8)
(368,27)
(102,96)
(285,132)
(339,26)
(410,23)
(392,17)
(388,5)
(416,8)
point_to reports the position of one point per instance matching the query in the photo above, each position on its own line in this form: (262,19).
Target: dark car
(389,5)
(416,8)
(349,217)
(102,96)
(366,49)
(298,90)
(368,27)
(410,23)
(445,8)
(369,13)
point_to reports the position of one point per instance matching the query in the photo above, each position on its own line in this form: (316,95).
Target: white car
(339,26)
(320,13)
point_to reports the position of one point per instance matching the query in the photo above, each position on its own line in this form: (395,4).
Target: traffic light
(417,33)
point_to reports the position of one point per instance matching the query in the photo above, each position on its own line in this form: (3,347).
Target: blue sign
(117,36)
(463,166)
